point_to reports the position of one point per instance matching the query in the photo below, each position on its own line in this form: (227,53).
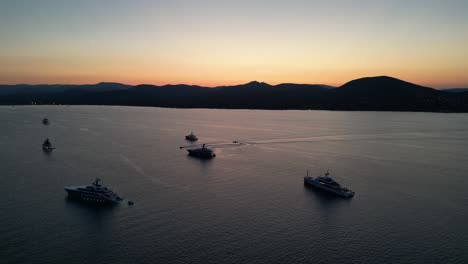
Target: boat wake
(141,172)
(307,139)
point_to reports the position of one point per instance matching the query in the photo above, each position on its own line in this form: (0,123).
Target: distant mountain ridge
(381,93)
(54,88)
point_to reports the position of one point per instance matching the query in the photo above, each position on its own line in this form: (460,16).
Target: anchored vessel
(47,146)
(328,184)
(45,121)
(191,137)
(94,192)
(202,152)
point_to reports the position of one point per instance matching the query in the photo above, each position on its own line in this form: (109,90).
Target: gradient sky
(231,42)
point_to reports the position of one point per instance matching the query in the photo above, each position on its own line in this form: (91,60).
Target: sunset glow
(230,42)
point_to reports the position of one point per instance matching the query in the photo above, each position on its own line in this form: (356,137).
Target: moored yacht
(328,184)
(191,137)
(47,146)
(95,192)
(202,152)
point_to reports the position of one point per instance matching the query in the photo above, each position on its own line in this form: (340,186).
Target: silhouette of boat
(45,121)
(95,193)
(191,137)
(328,184)
(202,152)
(47,146)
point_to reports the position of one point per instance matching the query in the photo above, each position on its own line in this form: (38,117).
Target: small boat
(47,146)
(95,193)
(202,152)
(191,137)
(45,121)
(328,184)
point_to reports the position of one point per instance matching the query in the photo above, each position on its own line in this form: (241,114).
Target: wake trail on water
(141,172)
(346,137)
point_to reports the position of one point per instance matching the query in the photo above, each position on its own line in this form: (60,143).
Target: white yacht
(328,184)
(94,192)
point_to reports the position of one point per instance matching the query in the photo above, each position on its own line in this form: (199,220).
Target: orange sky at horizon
(216,78)
(215,43)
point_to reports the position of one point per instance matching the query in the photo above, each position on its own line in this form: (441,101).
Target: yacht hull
(200,154)
(316,184)
(88,197)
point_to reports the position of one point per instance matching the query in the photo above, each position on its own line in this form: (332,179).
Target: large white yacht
(328,184)
(94,192)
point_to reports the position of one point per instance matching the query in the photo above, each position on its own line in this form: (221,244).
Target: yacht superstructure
(328,184)
(95,192)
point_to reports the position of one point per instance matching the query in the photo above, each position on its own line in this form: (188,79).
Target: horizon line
(227,85)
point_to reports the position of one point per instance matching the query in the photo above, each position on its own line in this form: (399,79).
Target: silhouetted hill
(373,93)
(387,93)
(56,88)
(382,85)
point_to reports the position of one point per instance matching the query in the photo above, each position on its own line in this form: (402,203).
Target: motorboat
(202,152)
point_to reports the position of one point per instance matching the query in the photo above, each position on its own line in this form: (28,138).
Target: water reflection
(247,201)
(204,162)
(92,214)
(330,206)
(324,197)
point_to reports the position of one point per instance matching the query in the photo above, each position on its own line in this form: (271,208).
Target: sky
(221,42)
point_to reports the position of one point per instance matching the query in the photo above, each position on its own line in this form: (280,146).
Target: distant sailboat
(47,146)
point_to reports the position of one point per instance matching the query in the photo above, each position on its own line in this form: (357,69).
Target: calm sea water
(249,204)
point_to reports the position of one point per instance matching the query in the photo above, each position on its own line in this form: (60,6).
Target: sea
(248,204)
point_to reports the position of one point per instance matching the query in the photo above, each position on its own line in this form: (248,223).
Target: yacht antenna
(96,182)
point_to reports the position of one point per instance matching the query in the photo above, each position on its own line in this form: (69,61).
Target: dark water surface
(249,204)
